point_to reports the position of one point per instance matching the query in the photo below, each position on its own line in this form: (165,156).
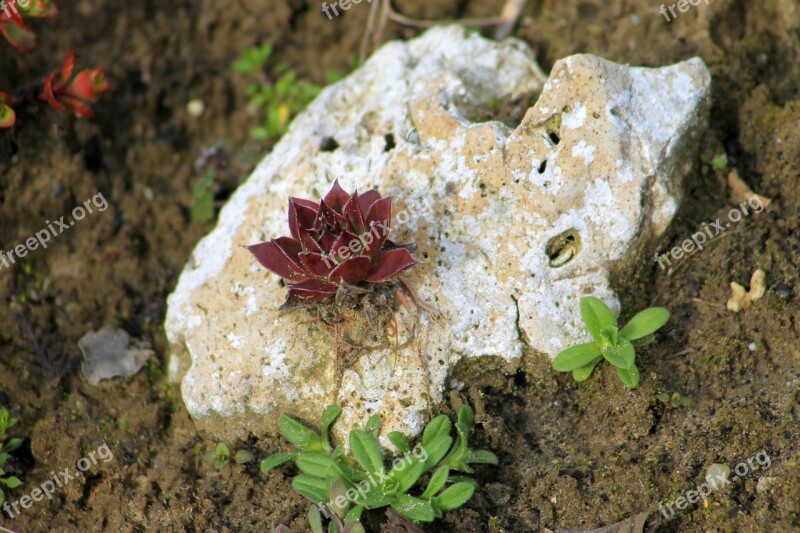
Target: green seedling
(278,91)
(368,482)
(9,444)
(610,343)
(220,456)
(674,400)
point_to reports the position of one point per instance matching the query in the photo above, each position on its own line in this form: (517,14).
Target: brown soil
(579,456)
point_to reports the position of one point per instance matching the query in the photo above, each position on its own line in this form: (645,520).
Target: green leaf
(466,417)
(366,450)
(373,426)
(627,352)
(436,450)
(407,473)
(298,434)
(12,482)
(437,427)
(576,357)
(354,527)
(455,496)
(437,482)
(583,373)
(399,440)
(222,450)
(314,519)
(613,356)
(2,496)
(202,209)
(276,460)
(629,376)
(413,508)
(645,322)
(313,488)
(243,456)
(597,316)
(12,444)
(329,416)
(354,514)
(482,457)
(315,464)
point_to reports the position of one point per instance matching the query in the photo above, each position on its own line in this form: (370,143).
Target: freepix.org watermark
(709,232)
(376,232)
(682,5)
(343,4)
(48,487)
(52,229)
(759,461)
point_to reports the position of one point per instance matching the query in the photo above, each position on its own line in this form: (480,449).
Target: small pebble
(783,291)
(195,107)
(752,346)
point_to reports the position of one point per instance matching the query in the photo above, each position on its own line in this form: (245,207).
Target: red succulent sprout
(342,240)
(61,88)
(12,23)
(7,115)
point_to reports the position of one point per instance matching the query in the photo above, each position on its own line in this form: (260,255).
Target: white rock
(107,354)
(602,153)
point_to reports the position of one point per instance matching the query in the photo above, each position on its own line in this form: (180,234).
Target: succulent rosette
(342,240)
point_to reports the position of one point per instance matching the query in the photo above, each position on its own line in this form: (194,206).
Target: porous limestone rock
(517,212)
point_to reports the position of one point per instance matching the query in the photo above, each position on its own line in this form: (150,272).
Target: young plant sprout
(342,487)
(610,343)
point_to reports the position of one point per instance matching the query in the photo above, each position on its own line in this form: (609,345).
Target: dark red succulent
(342,240)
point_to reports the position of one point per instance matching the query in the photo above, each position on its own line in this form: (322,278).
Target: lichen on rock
(515,216)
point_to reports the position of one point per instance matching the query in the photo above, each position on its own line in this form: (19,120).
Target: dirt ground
(570,456)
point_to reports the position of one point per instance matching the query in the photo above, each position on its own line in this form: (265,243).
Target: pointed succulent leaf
(311,291)
(281,256)
(20,37)
(576,357)
(644,323)
(366,199)
(597,316)
(389,264)
(351,271)
(336,198)
(302,214)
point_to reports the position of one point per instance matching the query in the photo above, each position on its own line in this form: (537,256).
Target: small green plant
(610,343)
(220,456)
(368,483)
(674,400)
(279,92)
(711,160)
(8,445)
